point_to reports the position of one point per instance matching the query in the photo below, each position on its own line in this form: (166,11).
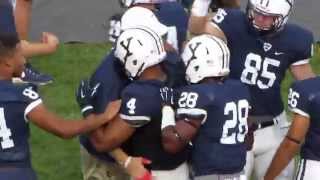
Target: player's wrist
(200,7)
(168,117)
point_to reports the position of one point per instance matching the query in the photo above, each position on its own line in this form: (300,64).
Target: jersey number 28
(235,129)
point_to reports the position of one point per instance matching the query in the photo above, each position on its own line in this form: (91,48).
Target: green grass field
(56,159)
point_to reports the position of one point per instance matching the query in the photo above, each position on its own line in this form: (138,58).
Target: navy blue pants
(17,174)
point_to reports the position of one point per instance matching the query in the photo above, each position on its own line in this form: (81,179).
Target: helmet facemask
(278,10)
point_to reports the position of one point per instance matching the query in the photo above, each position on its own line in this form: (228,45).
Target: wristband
(200,7)
(127,162)
(168,118)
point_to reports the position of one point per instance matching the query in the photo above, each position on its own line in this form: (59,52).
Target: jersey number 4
(5,132)
(235,129)
(253,66)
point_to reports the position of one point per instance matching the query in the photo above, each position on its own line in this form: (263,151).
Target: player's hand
(51,41)
(137,170)
(85,94)
(167,96)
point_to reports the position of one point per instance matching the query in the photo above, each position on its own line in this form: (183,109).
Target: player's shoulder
(232,14)
(297,35)
(140,88)
(18,92)
(307,85)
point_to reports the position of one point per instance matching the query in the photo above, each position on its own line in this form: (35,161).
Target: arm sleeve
(135,109)
(194,112)
(298,101)
(31,100)
(304,49)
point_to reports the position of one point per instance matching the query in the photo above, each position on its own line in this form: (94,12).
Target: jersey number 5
(235,129)
(5,132)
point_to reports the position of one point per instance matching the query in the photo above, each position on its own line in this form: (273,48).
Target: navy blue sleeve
(227,20)
(7,24)
(191,105)
(304,47)
(111,83)
(30,98)
(298,100)
(135,109)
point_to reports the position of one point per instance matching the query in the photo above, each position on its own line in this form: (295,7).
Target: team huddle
(162,107)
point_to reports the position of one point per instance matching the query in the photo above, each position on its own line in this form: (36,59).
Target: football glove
(167,96)
(85,94)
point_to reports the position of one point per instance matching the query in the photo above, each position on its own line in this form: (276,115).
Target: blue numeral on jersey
(235,129)
(5,132)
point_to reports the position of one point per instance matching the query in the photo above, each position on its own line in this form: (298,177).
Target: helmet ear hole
(135,62)
(196,68)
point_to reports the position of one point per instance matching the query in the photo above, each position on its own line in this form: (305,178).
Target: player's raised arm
(200,21)
(42,117)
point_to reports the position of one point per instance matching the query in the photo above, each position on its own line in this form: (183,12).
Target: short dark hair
(8,43)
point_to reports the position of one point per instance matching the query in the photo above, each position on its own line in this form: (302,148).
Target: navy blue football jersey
(304,99)
(141,108)
(16,101)
(173,15)
(112,81)
(261,62)
(219,145)
(7,24)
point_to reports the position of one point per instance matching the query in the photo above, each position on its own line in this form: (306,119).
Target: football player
(112,79)
(208,112)
(141,51)
(20,104)
(263,47)
(169,13)
(48,44)
(304,102)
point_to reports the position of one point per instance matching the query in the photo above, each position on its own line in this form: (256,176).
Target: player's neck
(153,73)
(213,80)
(4,74)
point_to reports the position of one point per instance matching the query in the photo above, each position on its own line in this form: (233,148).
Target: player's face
(263,22)
(18,61)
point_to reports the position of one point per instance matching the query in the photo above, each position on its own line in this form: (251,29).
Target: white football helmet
(281,9)
(205,56)
(139,48)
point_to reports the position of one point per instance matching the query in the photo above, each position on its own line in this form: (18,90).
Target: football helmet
(139,48)
(279,9)
(205,56)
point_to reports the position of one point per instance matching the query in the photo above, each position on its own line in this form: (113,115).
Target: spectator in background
(48,43)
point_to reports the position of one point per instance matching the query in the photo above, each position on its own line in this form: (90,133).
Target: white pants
(308,170)
(180,173)
(266,143)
